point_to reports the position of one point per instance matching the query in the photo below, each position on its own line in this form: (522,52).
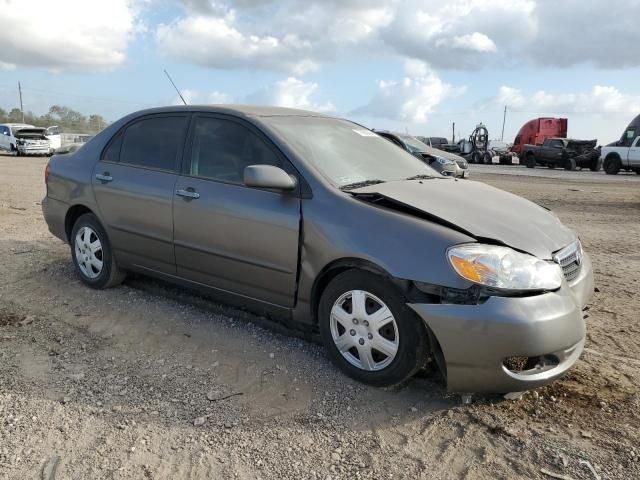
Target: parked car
(563,152)
(79,142)
(55,139)
(625,153)
(445,163)
(319,221)
(32,141)
(7,135)
(536,131)
(440,143)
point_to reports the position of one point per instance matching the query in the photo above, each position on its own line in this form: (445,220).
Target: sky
(414,66)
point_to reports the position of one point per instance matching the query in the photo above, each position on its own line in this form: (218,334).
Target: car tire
(551,165)
(92,256)
(612,165)
(488,159)
(351,342)
(570,164)
(595,165)
(530,160)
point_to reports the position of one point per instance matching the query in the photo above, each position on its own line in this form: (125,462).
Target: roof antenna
(174,86)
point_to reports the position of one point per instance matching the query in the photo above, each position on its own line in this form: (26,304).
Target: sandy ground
(150,381)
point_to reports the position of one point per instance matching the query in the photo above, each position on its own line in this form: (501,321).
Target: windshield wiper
(364,183)
(421,177)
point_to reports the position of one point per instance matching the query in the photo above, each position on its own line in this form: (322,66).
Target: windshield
(346,153)
(414,145)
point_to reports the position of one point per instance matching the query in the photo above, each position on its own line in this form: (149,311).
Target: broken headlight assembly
(503,268)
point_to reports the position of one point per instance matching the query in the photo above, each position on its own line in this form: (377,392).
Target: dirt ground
(150,381)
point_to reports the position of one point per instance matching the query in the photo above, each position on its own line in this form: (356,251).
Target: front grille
(570,260)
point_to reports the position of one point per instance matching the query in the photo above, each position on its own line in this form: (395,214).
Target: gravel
(151,381)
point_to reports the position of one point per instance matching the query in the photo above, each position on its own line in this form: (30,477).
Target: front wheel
(369,331)
(612,165)
(92,255)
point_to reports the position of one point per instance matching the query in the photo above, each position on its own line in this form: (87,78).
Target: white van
(7,135)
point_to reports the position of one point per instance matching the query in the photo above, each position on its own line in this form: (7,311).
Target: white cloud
(599,100)
(287,35)
(290,92)
(298,37)
(510,96)
(475,41)
(293,93)
(66,34)
(460,34)
(410,99)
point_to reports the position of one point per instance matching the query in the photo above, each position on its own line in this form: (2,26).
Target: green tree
(15,115)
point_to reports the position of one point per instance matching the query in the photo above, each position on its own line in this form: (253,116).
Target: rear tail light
(47,170)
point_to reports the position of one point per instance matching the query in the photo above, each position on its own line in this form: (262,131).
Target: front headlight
(443,161)
(504,268)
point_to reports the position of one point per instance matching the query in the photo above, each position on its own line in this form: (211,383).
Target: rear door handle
(188,193)
(104,177)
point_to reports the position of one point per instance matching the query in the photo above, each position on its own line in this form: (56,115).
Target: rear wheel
(551,165)
(369,331)
(488,159)
(92,254)
(595,165)
(612,165)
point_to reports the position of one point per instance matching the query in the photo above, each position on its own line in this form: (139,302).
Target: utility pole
(504,119)
(20,93)
(453,134)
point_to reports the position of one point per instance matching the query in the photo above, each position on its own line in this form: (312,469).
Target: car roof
(241,110)
(26,125)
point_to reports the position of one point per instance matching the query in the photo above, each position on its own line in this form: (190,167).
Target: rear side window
(153,142)
(112,153)
(628,137)
(222,149)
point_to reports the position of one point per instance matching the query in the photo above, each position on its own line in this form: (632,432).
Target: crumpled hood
(31,133)
(482,211)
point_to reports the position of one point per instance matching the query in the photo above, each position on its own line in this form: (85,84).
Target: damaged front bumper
(511,344)
(33,148)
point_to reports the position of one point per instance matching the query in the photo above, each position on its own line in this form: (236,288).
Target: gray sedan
(320,222)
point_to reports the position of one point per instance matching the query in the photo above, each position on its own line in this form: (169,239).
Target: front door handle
(188,193)
(104,177)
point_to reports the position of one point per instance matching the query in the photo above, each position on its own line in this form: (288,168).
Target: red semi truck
(534,132)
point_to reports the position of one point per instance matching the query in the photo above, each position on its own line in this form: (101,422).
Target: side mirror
(268,176)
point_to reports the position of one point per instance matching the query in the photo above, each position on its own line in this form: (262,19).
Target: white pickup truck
(625,153)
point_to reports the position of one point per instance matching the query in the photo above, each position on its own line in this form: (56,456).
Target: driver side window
(222,149)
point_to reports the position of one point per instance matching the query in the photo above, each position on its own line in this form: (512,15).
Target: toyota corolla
(321,222)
